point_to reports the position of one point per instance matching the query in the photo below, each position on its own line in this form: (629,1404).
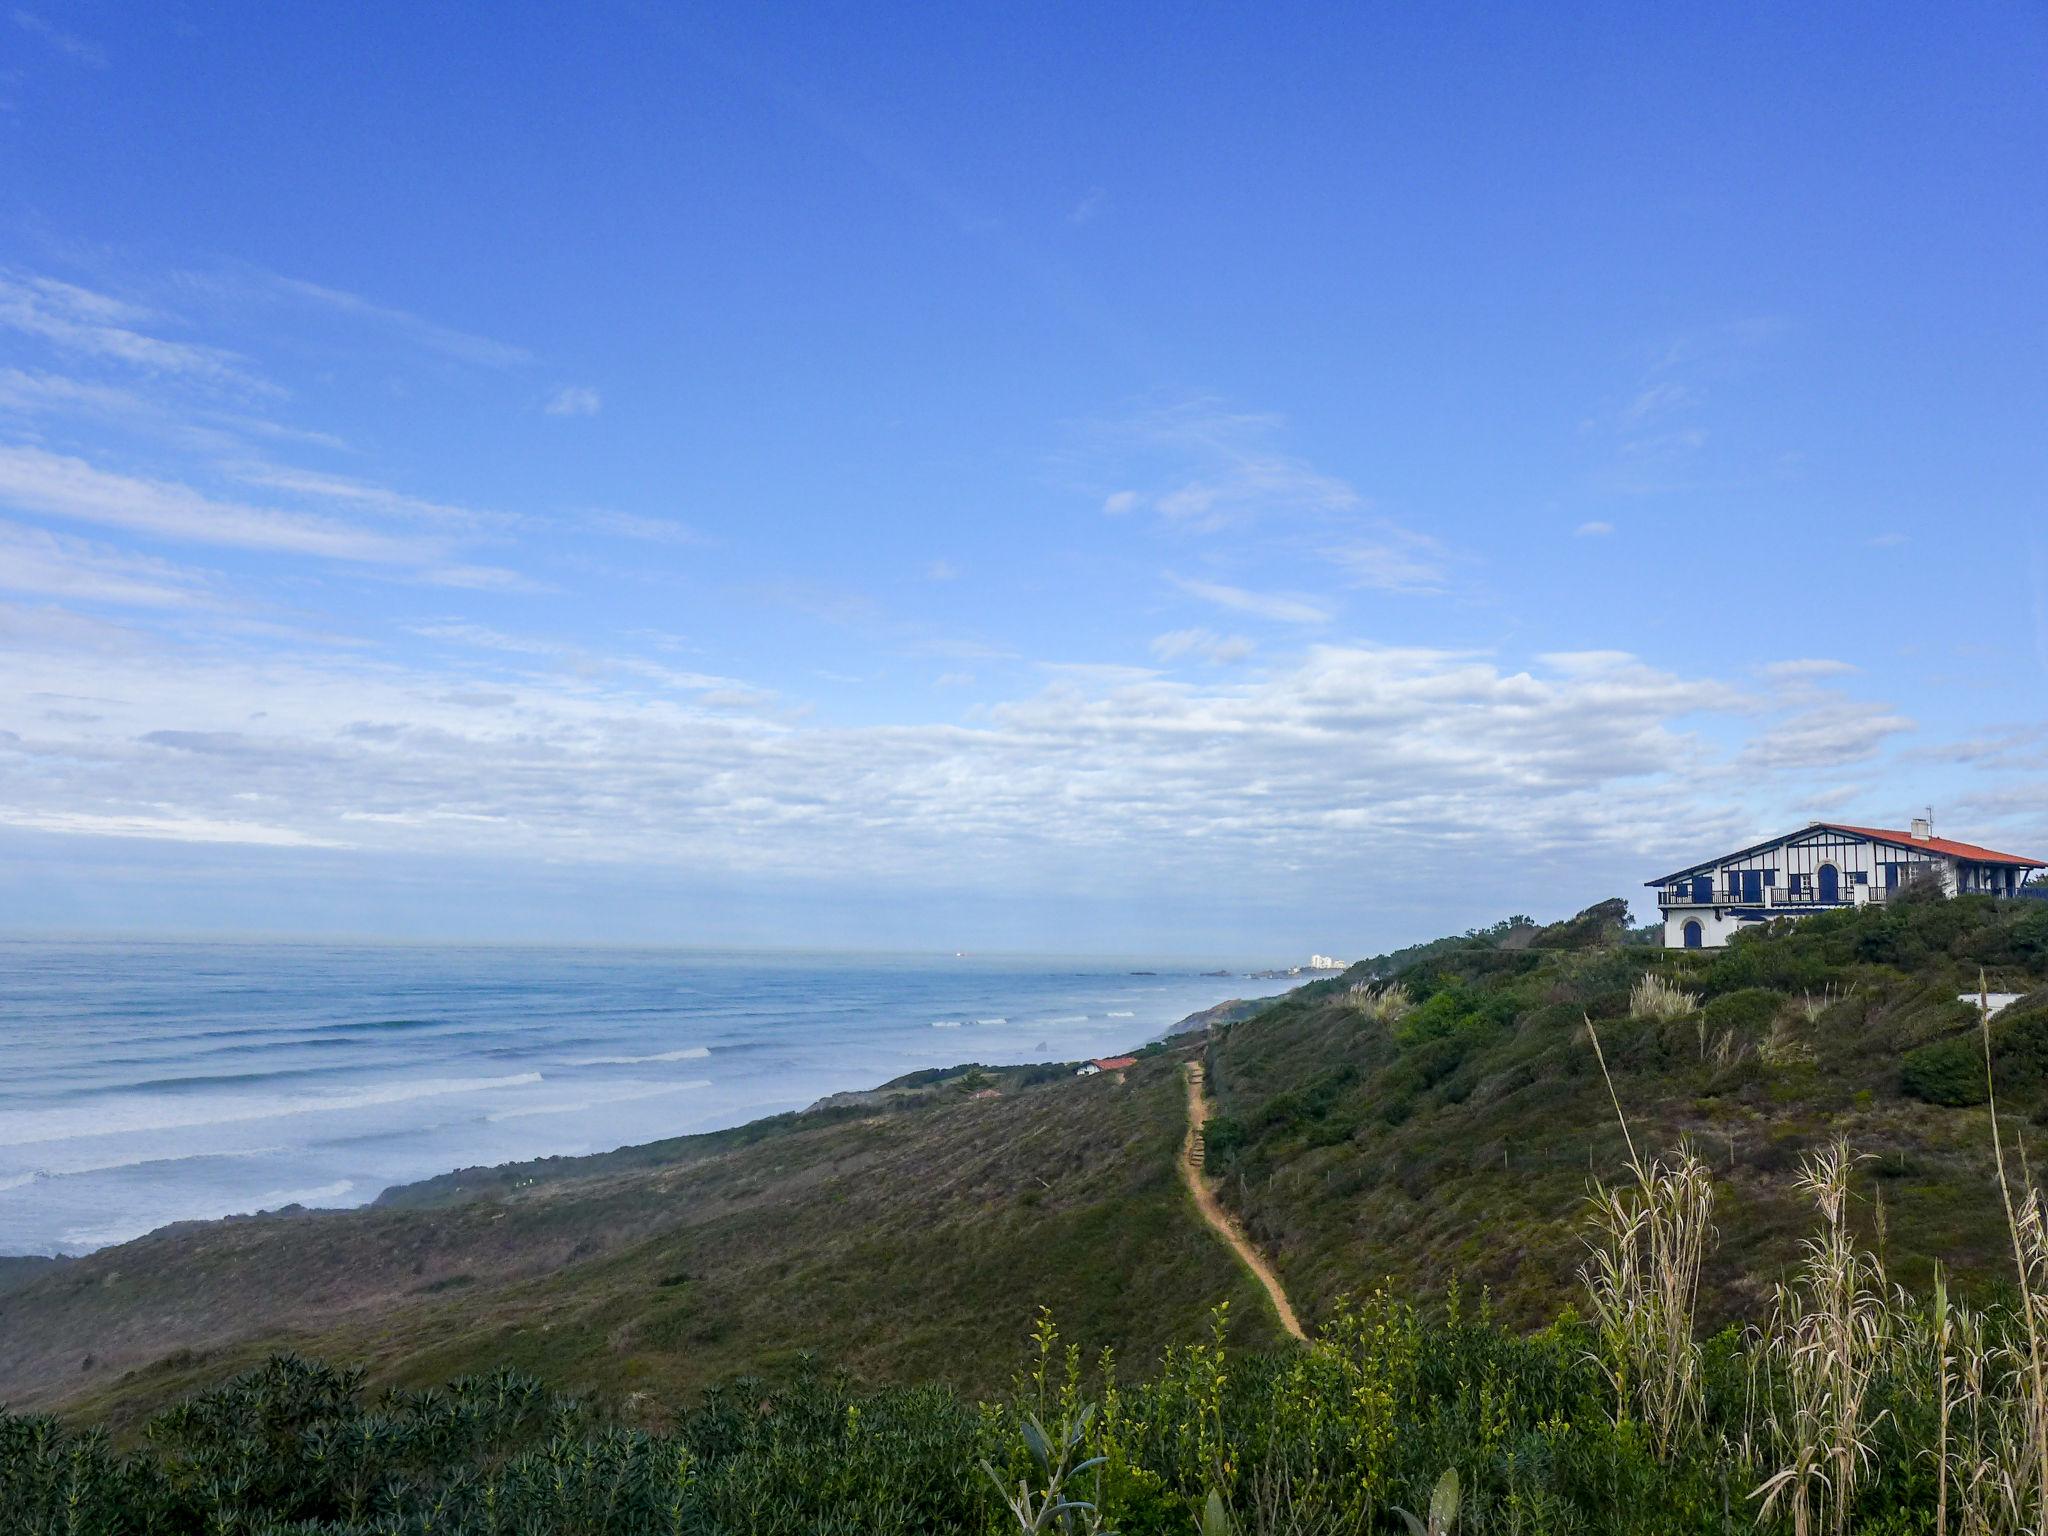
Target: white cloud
(481,578)
(1216,468)
(1203,644)
(1347,746)
(941,570)
(1393,559)
(1823,732)
(360,493)
(648,530)
(174,829)
(1593,530)
(1660,395)
(1281,607)
(1091,203)
(1805,669)
(574,400)
(80,320)
(56,486)
(36,561)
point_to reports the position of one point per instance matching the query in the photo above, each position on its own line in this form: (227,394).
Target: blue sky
(1181,479)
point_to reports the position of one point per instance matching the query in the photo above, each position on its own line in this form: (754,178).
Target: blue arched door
(1830,883)
(1694,938)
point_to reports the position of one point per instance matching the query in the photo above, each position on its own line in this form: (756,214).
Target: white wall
(1803,853)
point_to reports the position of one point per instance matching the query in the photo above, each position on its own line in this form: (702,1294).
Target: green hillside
(909,1239)
(1436,1114)
(1454,1129)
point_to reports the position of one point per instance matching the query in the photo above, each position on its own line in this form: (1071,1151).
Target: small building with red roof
(1106,1064)
(1826,865)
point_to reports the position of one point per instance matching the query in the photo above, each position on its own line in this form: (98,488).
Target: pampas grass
(1643,1276)
(1653,997)
(1382,1005)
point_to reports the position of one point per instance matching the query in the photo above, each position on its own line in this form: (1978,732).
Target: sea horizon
(150,1081)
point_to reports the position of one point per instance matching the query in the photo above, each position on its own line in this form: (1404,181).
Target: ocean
(145,1083)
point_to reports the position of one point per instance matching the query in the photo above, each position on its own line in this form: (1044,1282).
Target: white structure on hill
(1824,865)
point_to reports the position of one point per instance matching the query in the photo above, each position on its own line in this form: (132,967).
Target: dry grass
(1653,997)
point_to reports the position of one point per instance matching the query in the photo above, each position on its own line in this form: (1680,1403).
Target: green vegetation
(882,1237)
(1850,1408)
(1455,1134)
(1817,1301)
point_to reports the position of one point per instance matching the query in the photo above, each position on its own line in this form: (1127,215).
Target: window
(1795,883)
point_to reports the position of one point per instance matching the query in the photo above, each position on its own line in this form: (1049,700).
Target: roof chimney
(1923,828)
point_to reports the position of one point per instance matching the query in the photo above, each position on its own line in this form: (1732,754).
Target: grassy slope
(909,1244)
(1461,1140)
(910,1233)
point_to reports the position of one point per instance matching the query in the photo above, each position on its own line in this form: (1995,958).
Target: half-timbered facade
(1824,865)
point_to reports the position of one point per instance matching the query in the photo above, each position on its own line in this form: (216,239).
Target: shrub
(2019,1050)
(1745,1013)
(1947,1072)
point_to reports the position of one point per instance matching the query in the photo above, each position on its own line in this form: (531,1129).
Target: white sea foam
(945,1023)
(1126,1014)
(577,1106)
(991,1021)
(118,1116)
(687,1053)
(1078,1018)
(72,1170)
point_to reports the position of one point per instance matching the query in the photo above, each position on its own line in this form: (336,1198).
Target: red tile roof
(1116,1063)
(1946,846)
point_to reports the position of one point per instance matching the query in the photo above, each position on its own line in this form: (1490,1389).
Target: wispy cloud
(53,485)
(602,759)
(1805,669)
(1212,468)
(1281,607)
(574,400)
(1393,559)
(463,346)
(38,562)
(1660,436)
(648,530)
(1090,204)
(1202,645)
(78,49)
(80,320)
(1593,530)
(361,493)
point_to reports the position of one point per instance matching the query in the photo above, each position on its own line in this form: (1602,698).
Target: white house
(1824,865)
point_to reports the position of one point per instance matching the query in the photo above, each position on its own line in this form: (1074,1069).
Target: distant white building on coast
(1326,963)
(1823,866)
